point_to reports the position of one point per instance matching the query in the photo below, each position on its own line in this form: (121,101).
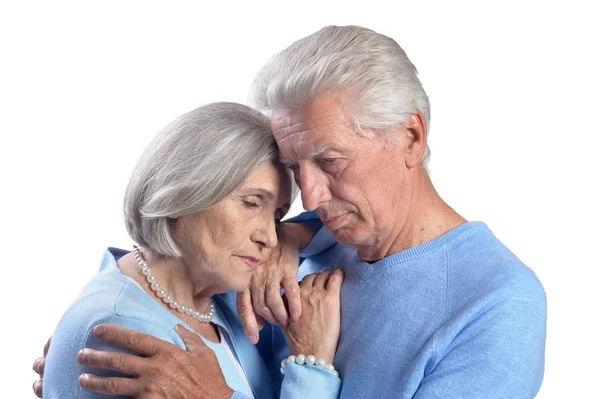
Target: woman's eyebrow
(260,191)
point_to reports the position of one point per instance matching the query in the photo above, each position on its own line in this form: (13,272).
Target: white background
(85,85)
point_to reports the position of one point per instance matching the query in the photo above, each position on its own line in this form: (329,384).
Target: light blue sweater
(110,297)
(457,317)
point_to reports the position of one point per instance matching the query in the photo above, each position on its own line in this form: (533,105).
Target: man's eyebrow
(316,152)
(319,151)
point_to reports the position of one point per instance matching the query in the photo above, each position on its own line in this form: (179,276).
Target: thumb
(193,343)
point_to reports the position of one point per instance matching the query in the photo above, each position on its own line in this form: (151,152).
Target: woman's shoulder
(105,299)
(97,301)
(110,297)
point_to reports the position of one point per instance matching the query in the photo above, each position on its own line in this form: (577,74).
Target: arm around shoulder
(62,370)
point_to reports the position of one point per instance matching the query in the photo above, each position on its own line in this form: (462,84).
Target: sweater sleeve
(298,382)
(498,352)
(74,334)
(304,381)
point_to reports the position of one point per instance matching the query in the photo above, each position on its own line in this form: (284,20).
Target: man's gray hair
(380,81)
(194,162)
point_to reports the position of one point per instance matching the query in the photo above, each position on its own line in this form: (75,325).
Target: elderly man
(432,305)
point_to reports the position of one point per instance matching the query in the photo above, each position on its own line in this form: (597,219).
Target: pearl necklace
(166,298)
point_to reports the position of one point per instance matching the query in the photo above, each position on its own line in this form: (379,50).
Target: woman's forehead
(269,181)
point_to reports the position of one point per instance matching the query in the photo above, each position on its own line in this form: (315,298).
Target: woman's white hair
(380,81)
(194,162)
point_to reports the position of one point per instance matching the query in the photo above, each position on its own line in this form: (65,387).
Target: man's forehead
(286,123)
(302,152)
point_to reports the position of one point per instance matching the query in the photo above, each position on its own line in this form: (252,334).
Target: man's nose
(314,189)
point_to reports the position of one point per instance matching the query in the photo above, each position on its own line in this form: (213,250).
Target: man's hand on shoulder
(165,371)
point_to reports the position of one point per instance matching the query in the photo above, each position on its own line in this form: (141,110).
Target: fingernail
(295,315)
(80,355)
(98,330)
(179,326)
(254,339)
(84,377)
(284,324)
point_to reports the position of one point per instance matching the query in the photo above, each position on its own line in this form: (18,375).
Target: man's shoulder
(481,264)
(335,256)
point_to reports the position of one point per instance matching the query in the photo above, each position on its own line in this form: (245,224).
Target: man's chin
(344,236)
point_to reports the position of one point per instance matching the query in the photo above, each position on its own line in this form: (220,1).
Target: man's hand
(166,371)
(38,366)
(317,331)
(263,301)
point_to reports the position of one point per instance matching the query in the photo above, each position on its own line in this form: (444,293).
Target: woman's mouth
(251,261)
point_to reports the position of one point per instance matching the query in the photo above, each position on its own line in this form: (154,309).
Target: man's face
(355,181)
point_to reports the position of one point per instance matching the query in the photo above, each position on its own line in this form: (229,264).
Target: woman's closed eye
(251,204)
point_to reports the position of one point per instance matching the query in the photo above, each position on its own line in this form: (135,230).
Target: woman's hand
(262,301)
(317,330)
(165,371)
(38,366)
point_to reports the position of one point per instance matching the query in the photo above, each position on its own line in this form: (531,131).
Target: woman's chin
(239,286)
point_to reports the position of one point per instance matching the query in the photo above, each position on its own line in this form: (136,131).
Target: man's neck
(428,218)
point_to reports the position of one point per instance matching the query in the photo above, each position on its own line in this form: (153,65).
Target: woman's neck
(174,277)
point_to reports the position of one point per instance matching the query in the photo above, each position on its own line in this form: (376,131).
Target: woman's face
(223,245)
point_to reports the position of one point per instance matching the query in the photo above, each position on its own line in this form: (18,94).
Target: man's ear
(415,138)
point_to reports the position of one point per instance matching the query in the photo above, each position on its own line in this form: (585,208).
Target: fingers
(275,304)
(308,280)
(139,342)
(334,283)
(193,343)
(110,385)
(47,346)
(292,296)
(39,365)
(289,261)
(321,279)
(261,321)
(37,387)
(246,312)
(258,286)
(121,362)
(262,309)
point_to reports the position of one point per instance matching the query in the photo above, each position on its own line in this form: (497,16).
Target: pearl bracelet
(309,360)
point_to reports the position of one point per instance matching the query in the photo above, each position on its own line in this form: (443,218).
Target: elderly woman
(202,203)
